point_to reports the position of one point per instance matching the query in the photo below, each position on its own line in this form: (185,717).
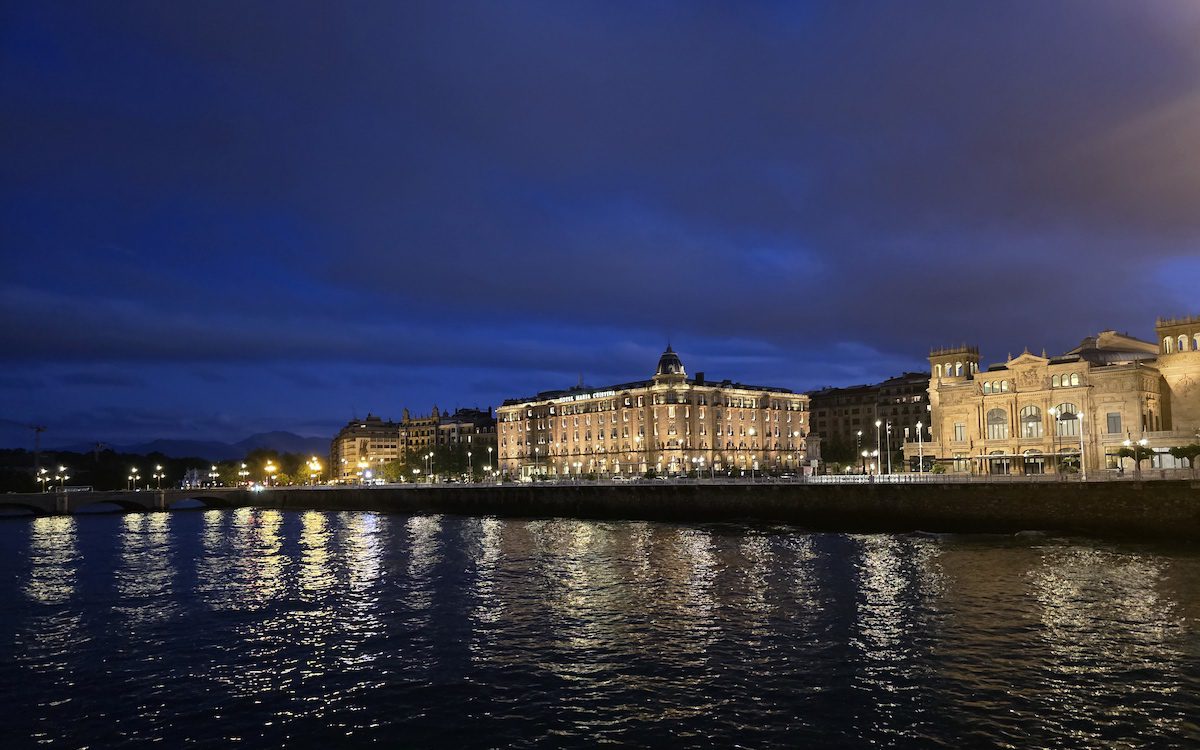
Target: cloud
(414,203)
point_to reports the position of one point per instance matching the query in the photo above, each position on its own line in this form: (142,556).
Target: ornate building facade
(369,444)
(671,424)
(1038,414)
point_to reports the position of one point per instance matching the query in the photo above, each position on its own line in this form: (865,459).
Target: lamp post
(416,476)
(212,475)
(43,478)
(270,470)
(470,468)
(920,450)
(858,448)
(878,441)
(62,478)
(133,478)
(243,472)
(889,446)
(314,470)
(430,457)
(490,458)
(158,475)
(864,461)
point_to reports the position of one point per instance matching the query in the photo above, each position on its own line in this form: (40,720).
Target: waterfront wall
(1154,510)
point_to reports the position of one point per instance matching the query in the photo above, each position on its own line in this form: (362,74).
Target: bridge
(62,503)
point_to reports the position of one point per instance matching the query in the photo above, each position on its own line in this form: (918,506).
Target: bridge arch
(93,504)
(207,501)
(36,510)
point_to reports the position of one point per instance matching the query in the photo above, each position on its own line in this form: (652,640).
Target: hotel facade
(1037,414)
(670,424)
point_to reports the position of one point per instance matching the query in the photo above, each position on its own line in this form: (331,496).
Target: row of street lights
(48,481)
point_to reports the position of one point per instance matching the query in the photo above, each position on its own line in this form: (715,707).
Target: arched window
(1183,343)
(1031,422)
(1167,345)
(1196,343)
(997,425)
(987,388)
(957,369)
(937,370)
(1074,378)
(1055,381)
(1004,386)
(1067,421)
(1000,465)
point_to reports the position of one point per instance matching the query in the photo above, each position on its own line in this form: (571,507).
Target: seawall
(1121,509)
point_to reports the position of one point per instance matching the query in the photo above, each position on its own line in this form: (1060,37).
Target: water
(263,628)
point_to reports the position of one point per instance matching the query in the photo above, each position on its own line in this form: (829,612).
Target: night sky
(219,218)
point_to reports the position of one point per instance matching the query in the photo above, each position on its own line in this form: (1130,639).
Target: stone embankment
(1149,510)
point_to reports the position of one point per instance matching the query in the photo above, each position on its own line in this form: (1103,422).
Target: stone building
(840,414)
(1035,414)
(369,444)
(671,424)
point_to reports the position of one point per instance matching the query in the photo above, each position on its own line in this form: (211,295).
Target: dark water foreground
(264,628)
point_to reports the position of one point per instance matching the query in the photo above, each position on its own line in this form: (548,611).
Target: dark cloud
(407,203)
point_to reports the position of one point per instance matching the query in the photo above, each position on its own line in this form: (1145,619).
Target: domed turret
(669,365)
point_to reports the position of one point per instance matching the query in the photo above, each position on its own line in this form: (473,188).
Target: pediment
(1027,359)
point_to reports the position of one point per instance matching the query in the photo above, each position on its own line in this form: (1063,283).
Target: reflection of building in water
(424,553)
(1026,415)
(670,423)
(316,578)
(1103,620)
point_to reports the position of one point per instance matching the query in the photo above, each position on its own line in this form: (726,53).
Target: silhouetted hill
(284,442)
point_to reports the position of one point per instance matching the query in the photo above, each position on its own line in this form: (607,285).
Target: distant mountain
(284,442)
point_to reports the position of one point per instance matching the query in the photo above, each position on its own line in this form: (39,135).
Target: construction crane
(38,429)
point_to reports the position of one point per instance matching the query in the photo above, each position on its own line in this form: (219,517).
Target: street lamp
(416,475)
(242,474)
(470,469)
(62,478)
(212,475)
(858,447)
(133,478)
(878,439)
(43,478)
(920,450)
(158,474)
(430,457)
(270,469)
(489,458)
(889,446)
(314,470)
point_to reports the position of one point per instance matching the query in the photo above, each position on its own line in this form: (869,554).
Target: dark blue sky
(220,218)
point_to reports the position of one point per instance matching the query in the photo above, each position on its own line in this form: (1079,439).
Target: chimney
(699,378)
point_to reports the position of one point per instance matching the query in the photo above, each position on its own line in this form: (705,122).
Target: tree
(1137,452)
(1189,452)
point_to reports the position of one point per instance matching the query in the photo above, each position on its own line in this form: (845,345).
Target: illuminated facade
(369,444)
(1030,414)
(671,424)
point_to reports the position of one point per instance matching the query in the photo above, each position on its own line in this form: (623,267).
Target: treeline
(109,470)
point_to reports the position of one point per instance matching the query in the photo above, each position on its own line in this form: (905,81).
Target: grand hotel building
(671,424)
(1032,414)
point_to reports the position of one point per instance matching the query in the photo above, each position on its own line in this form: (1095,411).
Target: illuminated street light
(61,477)
(43,478)
(314,470)
(158,474)
(270,469)
(213,474)
(878,439)
(133,478)
(242,474)
(920,450)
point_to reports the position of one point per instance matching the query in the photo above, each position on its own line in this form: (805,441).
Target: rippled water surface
(353,629)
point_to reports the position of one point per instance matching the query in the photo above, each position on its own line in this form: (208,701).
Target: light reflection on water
(317,629)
